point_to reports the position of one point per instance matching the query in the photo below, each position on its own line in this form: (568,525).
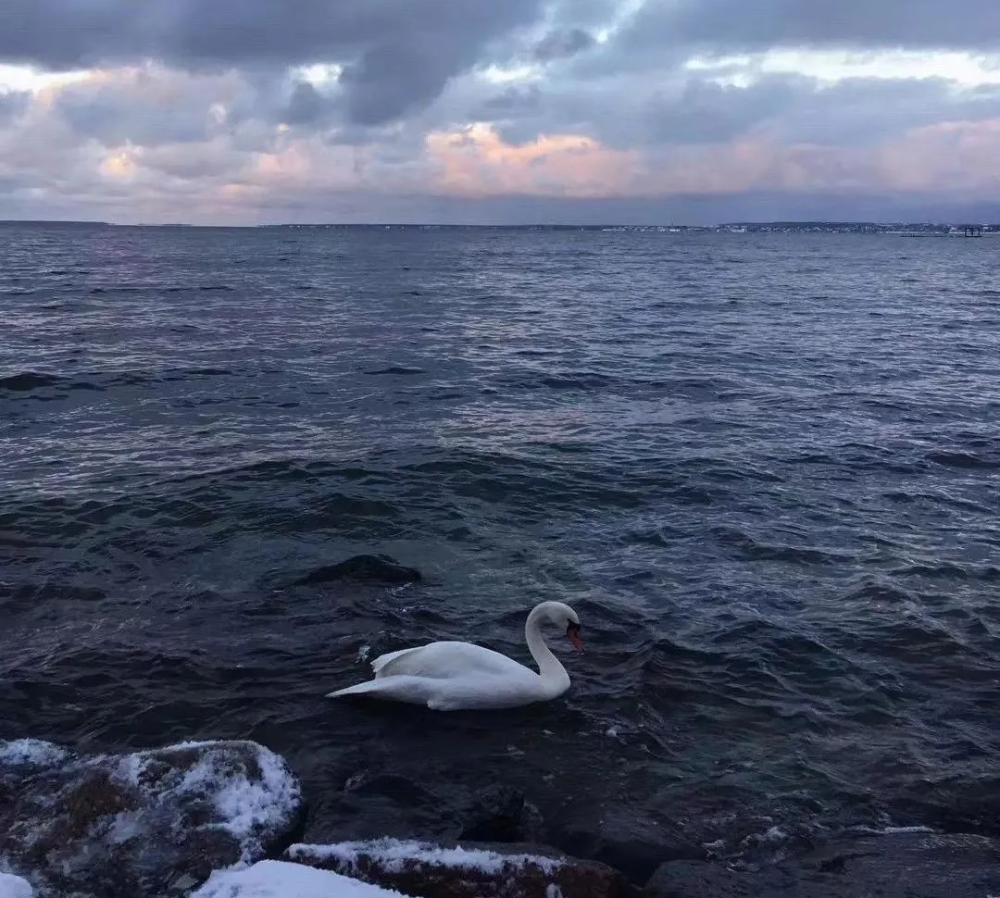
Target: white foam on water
(32,751)
(14,887)
(891,830)
(392,855)
(280,879)
(363,653)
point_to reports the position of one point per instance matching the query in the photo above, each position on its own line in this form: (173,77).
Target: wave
(756,550)
(62,385)
(965,460)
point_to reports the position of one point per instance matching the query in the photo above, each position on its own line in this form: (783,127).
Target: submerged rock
(623,839)
(367,568)
(152,823)
(900,865)
(501,814)
(465,871)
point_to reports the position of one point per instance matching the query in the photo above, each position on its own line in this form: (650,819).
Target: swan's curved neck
(549,667)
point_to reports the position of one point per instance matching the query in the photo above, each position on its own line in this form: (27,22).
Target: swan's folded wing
(447,660)
(382,661)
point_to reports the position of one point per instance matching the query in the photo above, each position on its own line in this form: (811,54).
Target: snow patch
(392,855)
(14,887)
(280,879)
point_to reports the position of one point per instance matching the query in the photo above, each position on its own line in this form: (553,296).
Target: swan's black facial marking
(573,635)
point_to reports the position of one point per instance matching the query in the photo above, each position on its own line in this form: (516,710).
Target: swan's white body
(452,676)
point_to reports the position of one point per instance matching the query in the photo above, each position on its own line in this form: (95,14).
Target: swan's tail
(401,689)
(359,689)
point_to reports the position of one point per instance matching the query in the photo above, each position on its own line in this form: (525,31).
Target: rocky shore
(213,819)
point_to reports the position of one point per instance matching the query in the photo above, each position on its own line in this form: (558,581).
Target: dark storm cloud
(398,54)
(865,111)
(705,112)
(563,44)
(114,113)
(733,25)
(393,78)
(691,109)
(13,103)
(306,106)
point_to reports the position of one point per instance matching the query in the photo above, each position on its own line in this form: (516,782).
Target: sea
(763,468)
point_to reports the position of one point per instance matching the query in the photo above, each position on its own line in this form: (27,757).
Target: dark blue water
(764,470)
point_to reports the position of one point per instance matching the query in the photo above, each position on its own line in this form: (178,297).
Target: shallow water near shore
(763,469)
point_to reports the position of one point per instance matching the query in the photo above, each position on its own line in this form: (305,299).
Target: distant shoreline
(901,229)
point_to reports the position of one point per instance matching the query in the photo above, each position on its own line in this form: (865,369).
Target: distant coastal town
(918,229)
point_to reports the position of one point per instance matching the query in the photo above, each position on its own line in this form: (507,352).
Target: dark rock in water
(472,870)
(374,804)
(152,823)
(501,814)
(903,865)
(972,806)
(371,568)
(630,842)
(700,879)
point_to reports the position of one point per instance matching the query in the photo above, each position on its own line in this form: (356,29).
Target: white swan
(453,676)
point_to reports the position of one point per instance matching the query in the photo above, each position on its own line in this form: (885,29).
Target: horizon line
(838,222)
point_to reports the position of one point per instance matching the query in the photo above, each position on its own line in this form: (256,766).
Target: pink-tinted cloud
(476,162)
(151,143)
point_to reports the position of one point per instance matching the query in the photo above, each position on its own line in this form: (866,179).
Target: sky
(499,111)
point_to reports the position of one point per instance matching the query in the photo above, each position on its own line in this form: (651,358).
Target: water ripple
(764,470)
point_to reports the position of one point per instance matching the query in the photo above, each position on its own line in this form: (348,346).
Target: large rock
(152,823)
(485,870)
(901,865)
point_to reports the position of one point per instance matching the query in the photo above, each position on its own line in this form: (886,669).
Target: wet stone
(140,824)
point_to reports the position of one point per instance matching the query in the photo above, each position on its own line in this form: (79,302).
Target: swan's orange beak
(573,634)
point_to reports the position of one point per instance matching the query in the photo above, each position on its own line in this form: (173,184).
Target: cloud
(734,25)
(562,44)
(13,103)
(396,54)
(251,110)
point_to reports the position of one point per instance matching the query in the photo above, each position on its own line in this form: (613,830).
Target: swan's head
(565,618)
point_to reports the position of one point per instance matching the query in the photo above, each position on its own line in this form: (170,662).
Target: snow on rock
(14,887)
(471,870)
(152,823)
(280,879)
